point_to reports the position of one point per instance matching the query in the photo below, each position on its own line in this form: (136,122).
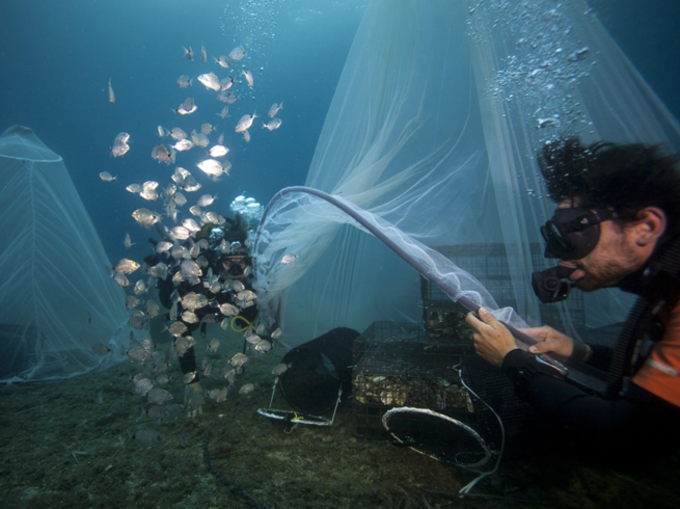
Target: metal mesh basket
(396,365)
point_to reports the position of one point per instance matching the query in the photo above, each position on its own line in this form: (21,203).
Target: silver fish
(218,151)
(106,176)
(139,355)
(206,200)
(227,98)
(145,217)
(222,396)
(179,199)
(140,287)
(288,259)
(127,242)
(211,167)
(192,226)
(100,349)
(161,154)
(148,438)
(126,266)
(188,53)
(249,77)
(207,128)
(238,360)
(179,233)
(160,271)
(187,107)
(183,145)
(280,369)
(112,96)
(190,268)
(213,345)
(189,377)
(194,301)
(158,396)
(263,346)
(237,53)
(178,133)
(226,83)
(177,329)
(120,146)
(275,109)
(224,113)
(163,246)
(273,124)
(152,308)
(183,81)
(131,302)
(204,55)
(211,81)
(223,62)
(121,280)
(229,309)
(189,317)
(134,188)
(161,132)
(245,122)
(246,389)
(246,136)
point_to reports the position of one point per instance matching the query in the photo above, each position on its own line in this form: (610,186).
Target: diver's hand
(492,339)
(550,340)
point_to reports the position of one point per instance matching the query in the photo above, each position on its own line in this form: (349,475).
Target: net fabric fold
(434,128)
(57,300)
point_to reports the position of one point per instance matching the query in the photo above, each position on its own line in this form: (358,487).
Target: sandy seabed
(62,449)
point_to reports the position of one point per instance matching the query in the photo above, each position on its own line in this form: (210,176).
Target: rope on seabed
(218,475)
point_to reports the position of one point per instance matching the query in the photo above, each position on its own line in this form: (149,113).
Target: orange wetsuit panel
(660,374)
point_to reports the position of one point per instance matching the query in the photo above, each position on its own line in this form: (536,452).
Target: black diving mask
(571,234)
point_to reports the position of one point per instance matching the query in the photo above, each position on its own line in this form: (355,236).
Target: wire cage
(396,365)
(489,264)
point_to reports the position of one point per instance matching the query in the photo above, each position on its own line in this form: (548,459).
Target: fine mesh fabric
(57,297)
(433,131)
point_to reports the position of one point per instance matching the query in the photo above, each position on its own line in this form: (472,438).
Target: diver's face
(613,258)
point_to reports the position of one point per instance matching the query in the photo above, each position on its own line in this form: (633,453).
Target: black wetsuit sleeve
(634,411)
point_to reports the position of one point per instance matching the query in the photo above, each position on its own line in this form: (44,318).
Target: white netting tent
(434,127)
(57,297)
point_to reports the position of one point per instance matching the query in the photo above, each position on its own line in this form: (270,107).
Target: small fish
(211,81)
(211,167)
(273,124)
(280,369)
(237,53)
(207,129)
(277,333)
(189,317)
(131,302)
(140,287)
(288,259)
(179,233)
(145,217)
(238,360)
(184,81)
(126,266)
(178,133)
(188,53)
(148,438)
(213,345)
(222,396)
(227,98)
(227,83)
(191,268)
(246,389)
(158,396)
(183,145)
(249,77)
(187,107)
(161,154)
(189,377)
(206,200)
(275,109)
(134,188)
(246,136)
(127,241)
(263,346)
(223,62)
(199,139)
(121,280)
(100,349)
(177,329)
(106,176)
(229,309)
(112,96)
(218,151)
(204,55)
(224,113)
(194,301)
(120,146)
(161,132)
(245,122)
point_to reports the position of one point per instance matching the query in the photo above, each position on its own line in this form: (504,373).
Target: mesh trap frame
(395,365)
(444,318)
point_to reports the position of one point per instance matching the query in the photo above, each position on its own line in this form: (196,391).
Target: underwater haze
(84,74)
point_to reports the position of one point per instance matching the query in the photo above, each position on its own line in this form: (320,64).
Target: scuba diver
(616,224)
(225,269)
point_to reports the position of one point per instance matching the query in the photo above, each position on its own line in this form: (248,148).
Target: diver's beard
(608,275)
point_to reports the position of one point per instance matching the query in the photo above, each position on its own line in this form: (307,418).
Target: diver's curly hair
(626,178)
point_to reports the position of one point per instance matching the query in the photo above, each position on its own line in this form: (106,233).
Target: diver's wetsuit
(643,419)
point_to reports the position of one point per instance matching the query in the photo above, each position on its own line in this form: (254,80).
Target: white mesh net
(434,128)
(57,298)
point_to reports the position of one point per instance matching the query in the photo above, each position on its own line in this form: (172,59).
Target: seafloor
(61,448)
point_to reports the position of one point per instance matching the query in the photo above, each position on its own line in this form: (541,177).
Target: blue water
(57,58)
